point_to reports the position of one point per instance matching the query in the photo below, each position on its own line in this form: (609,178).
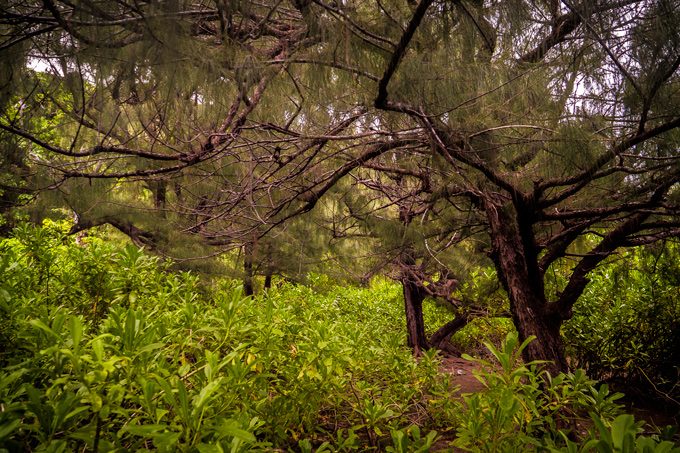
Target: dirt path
(462,372)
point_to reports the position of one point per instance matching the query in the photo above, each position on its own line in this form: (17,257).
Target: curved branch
(381,100)
(582,179)
(615,239)
(564,25)
(99,149)
(139,237)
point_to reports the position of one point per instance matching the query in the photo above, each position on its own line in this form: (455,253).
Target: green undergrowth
(523,408)
(105,349)
(626,327)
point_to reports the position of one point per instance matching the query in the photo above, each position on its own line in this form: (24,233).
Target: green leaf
(75,412)
(166,441)
(8,428)
(8,379)
(38,324)
(183,402)
(96,402)
(151,347)
(144,430)
(623,431)
(209,448)
(206,392)
(168,395)
(76,328)
(232,428)
(604,432)
(98,348)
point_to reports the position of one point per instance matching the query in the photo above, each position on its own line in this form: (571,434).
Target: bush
(109,351)
(523,408)
(626,326)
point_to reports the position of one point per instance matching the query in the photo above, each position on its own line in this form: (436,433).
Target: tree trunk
(248,250)
(516,261)
(448,329)
(415,324)
(159,189)
(268,267)
(548,345)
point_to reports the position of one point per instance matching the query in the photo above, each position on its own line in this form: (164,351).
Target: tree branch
(138,236)
(399,52)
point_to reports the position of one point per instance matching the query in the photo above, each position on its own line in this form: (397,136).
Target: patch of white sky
(600,92)
(41,64)
(47,65)
(592,92)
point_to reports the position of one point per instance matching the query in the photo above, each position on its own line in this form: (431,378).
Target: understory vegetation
(105,348)
(626,328)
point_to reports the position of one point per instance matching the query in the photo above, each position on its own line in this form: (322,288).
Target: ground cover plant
(106,349)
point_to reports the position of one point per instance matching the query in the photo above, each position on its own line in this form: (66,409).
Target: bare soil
(462,372)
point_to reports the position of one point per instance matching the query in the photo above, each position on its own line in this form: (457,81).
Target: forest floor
(651,409)
(463,374)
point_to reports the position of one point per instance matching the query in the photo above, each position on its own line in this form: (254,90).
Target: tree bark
(531,316)
(138,237)
(415,324)
(248,251)
(159,189)
(516,260)
(448,329)
(268,268)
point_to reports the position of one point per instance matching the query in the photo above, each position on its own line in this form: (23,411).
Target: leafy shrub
(109,351)
(525,409)
(626,327)
(523,406)
(43,270)
(622,435)
(117,353)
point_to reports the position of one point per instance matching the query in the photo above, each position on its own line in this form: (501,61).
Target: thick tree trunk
(531,316)
(415,324)
(516,260)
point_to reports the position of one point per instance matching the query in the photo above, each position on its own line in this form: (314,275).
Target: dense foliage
(494,157)
(427,133)
(627,326)
(105,349)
